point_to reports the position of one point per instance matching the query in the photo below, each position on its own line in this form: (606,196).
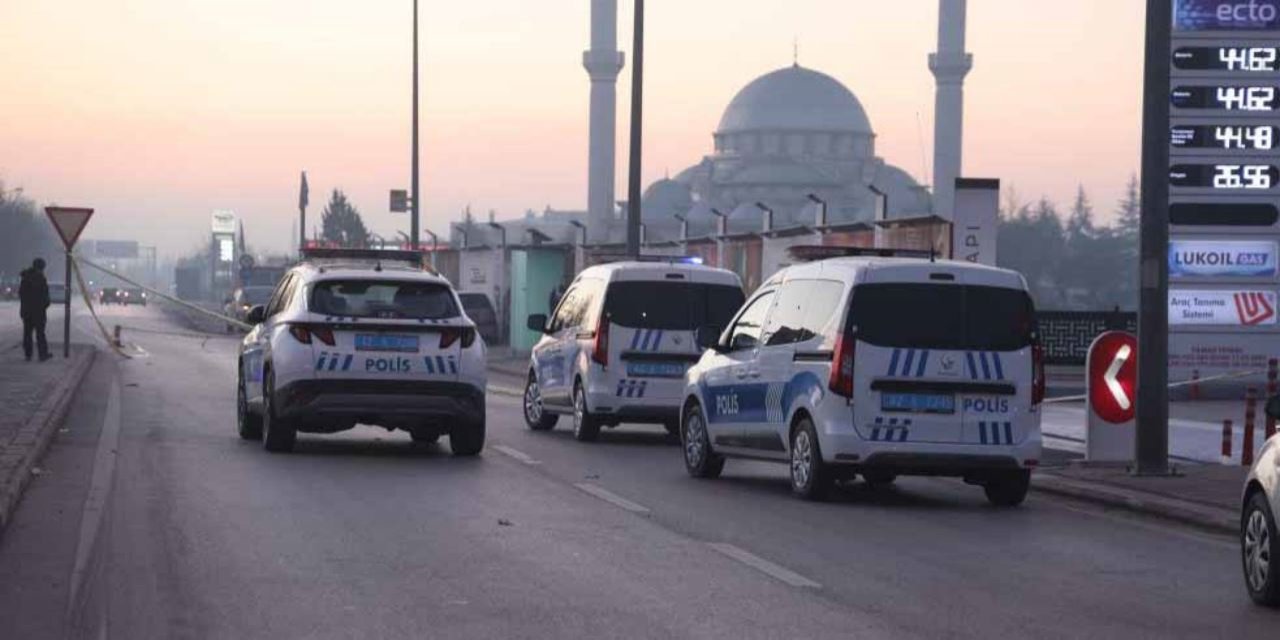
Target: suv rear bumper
(380,402)
(930,459)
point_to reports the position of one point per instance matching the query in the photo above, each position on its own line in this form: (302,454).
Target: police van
(619,342)
(362,337)
(878,366)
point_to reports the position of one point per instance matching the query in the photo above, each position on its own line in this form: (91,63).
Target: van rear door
(941,362)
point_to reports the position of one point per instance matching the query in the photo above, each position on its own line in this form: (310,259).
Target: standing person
(34,294)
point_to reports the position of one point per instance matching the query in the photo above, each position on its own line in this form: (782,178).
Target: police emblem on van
(949,365)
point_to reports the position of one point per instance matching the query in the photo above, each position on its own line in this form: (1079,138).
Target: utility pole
(1152,435)
(415,198)
(637,120)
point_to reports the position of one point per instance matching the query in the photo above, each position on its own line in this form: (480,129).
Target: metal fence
(1066,335)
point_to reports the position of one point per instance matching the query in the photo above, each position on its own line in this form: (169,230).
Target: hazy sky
(157,112)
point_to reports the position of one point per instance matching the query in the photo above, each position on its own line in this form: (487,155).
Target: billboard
(1222,308)
(120,249)
(224,222)
(1223,258)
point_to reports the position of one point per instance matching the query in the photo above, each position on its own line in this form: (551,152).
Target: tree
(26,235)
(341,223)
(1080,223)
(1129,213)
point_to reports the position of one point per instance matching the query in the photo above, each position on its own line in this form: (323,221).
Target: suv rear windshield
(672,305)
(940,316)
(386,299)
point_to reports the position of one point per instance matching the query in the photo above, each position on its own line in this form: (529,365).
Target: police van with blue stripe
(874,366)
(618,344)
(362,337)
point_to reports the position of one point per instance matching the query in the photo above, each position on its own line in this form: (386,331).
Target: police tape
(178,301)
(88,302)
(1172,385)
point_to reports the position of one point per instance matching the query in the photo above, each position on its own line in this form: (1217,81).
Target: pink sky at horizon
(157,112)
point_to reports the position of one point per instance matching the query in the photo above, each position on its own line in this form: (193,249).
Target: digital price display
(1226,98)
(1243,59)
(1226,177)
(1224,136)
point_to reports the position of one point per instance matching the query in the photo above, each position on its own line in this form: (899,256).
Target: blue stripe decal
(440,361)
(999,367)
(924,359)
(635,339)
(453,365)
(906,365)
(893,363)
(333,363)
(903,437)
(346,366)
(430,368)
(320,363)
(875,434)
(1008,433)
(973,369)
(982,430)
(657,343)
(986,369)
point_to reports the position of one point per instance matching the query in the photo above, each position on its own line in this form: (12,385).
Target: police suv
(879,366)
(362,337)
(618,344)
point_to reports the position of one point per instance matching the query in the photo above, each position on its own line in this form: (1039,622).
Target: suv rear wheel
(536,415)
(278,434)
(1008,489)
(699,460)
(1258,546)
(586,427)
(811,479)
(248,425)
(468,439)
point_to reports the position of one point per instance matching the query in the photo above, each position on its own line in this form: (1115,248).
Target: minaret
(603,63)
(949,65)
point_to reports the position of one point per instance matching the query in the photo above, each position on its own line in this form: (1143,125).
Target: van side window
(592,302)
(277,299)
(750,323)
(565,313)
(805,310)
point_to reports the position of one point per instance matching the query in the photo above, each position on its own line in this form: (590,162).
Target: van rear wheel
(536,416)
(699,460)
(811,478)
(586,427)
(1008,489)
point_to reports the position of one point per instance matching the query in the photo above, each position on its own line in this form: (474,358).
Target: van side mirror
(1273,407)
(537,322)
(708,337)
(256,315)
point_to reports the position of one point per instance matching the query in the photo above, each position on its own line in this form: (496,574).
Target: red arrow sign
(69,222)
(1113,376)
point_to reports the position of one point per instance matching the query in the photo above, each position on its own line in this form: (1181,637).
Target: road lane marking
(95,504)
(760,564)
(612,498)
(515,453)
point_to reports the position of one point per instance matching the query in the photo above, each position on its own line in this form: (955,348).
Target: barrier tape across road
(183,303)
(1172,385)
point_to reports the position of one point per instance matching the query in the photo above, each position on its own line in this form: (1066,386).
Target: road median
(37,397)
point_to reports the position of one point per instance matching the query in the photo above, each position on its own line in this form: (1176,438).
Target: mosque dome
(666,198)
(795,99)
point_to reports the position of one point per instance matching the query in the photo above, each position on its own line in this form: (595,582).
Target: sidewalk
(35,397)
(1206,496)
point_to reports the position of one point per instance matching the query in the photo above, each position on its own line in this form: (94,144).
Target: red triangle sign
(69,221)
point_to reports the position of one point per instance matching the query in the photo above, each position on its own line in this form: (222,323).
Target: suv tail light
(467,336)
(600,351)
(1037,374)
(304,332)
(841,381)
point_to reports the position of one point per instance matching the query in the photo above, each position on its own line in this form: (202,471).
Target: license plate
(655,369)
(384,342)
(917,403)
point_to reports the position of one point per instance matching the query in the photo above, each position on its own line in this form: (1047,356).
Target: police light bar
(812,253)
(655,259)
(334,255)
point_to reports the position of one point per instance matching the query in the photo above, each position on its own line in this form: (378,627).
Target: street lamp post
(722,230)
(768,217)
(822,210)
(415,199)
(637,118)
(435,246)
(580,253)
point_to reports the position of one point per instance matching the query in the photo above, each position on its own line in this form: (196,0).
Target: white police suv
(875,366)
(617,347)
(362,337)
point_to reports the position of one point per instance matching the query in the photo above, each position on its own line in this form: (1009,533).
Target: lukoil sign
(1222,258)
(1190,307)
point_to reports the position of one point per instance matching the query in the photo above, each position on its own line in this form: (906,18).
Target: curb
(504,391)
(40,428)
(1214,519)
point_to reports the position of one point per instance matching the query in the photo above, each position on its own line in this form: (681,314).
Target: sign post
(69,222)
(1112,367)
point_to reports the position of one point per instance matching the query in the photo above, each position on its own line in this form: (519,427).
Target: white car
(617,347)
(1259,538)
(875,366)
(362,337)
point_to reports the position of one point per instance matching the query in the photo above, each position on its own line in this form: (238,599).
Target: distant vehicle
(362,336)
(480,310)
(9,288)
(57,293)
(132,296)
(878,367)
(1259,536)
(618,345)
(109,295)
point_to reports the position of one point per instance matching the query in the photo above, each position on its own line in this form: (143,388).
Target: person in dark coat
(34,295)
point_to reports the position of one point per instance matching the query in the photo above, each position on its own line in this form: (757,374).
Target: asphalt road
(151,519)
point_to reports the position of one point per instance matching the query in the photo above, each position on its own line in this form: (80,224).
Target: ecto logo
(1207,15)
(1251,12)
(1254,308)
